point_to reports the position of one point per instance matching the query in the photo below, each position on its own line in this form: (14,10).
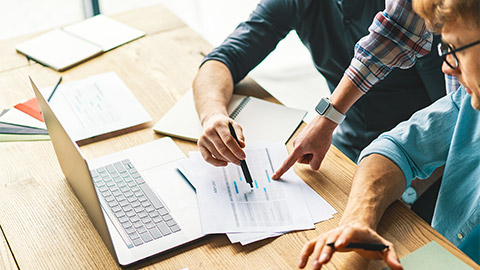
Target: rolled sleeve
(389,148)
(397,37)
(421,144)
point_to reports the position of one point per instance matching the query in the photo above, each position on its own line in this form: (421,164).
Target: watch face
(409,195)
(322,106)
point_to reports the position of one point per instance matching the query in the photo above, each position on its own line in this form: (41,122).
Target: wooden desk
(47,228)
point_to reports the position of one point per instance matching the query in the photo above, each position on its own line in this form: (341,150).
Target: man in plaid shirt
(397,38)
(398,45)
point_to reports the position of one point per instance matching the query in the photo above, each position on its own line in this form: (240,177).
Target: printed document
(228,204)
(320,210)
(96,105)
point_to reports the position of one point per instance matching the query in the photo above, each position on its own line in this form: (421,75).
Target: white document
(262,121)
(19,118)
(96,105)
(320,210)
(228,204)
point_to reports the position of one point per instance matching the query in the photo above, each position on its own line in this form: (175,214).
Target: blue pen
(55,88)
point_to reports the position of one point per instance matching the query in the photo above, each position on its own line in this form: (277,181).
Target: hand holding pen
(243,163)
(346,238)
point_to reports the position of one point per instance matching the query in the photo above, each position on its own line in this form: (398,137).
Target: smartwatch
(326,109)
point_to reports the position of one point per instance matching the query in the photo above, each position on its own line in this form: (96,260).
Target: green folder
(23,137)
(432,256)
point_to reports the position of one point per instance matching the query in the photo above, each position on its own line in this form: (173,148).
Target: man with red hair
(445,133)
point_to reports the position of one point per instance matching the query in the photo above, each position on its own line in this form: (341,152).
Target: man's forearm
(345,95)
(212,89)
(377,183)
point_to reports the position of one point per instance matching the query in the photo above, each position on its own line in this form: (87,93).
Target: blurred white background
(287,73)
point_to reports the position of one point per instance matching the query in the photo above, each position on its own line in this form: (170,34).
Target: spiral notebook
(262,121)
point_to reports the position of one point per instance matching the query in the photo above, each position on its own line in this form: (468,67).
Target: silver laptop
(136,199)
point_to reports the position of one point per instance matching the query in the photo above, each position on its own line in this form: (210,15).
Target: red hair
(438,12)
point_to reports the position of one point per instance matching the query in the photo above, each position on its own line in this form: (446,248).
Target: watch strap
(334,115)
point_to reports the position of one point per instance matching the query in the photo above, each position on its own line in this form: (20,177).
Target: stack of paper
(24,122)
(228,205)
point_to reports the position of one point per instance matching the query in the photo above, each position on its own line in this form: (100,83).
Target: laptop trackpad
(170,185)
(157,163)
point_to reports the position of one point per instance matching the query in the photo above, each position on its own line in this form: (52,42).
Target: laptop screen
(75,169)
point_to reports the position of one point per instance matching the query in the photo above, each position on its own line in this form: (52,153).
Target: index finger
(392,260)
(291,159)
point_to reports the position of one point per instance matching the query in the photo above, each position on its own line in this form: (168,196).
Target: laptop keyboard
(137,213)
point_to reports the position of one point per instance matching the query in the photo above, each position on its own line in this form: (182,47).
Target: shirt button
(460,236)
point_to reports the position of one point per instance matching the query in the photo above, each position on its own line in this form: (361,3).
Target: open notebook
(66,47)
(262,121)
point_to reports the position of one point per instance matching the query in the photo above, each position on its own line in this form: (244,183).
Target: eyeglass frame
(452,51)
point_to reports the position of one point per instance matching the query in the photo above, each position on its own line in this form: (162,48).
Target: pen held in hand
(243,163)
(364,246)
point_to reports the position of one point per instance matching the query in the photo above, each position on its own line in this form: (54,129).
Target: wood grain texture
(46,226)
(151,20)
(6,258)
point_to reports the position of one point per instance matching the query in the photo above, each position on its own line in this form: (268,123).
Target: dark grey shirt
(330,29)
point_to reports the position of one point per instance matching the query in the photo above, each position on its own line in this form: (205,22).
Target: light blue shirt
(445,133)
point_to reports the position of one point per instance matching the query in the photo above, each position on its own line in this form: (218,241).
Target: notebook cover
(104,32)
(19,118)
(13,129)
(58,49)
(31,108)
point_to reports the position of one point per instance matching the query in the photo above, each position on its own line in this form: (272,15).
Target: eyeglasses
(445,49)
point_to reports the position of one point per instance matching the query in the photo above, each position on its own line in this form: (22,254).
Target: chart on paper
(227,203)
(262,205)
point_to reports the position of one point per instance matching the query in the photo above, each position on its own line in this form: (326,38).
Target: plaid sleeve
(397,37)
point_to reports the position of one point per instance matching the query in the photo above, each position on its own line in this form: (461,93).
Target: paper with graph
(228,204)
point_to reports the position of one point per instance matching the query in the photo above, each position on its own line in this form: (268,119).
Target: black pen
(364,246)
(243,163)
(55,88)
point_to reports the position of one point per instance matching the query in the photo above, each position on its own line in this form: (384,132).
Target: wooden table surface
(45,227)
